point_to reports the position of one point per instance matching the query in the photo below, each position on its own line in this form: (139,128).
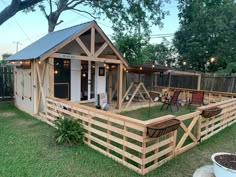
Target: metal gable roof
(47,42)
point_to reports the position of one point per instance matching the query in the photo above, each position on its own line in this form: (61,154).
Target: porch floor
(134,105)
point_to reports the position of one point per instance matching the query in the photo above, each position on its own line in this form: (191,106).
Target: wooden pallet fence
(116,136)
(212,125)
(125,139)
(188,134)
(186,94)
(158,151)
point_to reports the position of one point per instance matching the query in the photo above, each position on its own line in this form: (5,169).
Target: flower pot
(211,112)
(162,128)
(224,164)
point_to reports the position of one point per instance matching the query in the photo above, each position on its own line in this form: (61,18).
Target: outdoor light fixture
(84,75)
(166,65)
(141,68)
(212,59)
(55,72)
(21,62)
(39,62)
(184,63)
(153,65)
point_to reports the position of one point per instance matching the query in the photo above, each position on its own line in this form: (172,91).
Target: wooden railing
(186,94)
(212,125)
(188,133)
(125,139)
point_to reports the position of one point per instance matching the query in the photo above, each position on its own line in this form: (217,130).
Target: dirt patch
(7,114)
(227,160)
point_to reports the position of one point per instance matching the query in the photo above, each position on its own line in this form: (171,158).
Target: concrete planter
(220,170)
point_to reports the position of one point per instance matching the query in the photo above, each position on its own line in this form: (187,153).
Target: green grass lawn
(27,150)
(155,111)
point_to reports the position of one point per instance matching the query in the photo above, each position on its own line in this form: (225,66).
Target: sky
(23,29)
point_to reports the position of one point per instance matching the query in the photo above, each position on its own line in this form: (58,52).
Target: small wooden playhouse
(71,64)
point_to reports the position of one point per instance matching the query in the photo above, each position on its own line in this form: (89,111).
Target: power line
(22,29)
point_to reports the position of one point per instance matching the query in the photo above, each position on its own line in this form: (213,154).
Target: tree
(207,29)
(4,57)
(124,14)
(131,46)
(163,53)
(14,7)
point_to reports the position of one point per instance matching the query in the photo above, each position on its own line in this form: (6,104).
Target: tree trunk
(52,21)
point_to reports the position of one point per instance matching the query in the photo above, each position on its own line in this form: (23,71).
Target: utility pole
(17,45)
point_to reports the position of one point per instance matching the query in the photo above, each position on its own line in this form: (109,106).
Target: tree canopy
(138,50)
(207,30)
(124,14)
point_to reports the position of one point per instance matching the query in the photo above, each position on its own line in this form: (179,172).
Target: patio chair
(197,98)
(171,101)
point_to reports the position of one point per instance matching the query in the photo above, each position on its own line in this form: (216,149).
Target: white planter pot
(221,171)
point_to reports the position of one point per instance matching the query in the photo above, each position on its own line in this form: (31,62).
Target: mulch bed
(227,160)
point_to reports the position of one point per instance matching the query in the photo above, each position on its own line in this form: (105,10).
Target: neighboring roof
(146,68)
(47,42)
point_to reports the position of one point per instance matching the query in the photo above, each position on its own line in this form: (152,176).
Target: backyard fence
(6,82)
(219,82)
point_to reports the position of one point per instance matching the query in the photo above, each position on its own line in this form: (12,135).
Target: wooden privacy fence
(125,139)
(6,82)
(219,82)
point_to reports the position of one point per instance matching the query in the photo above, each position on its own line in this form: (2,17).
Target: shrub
(68,130)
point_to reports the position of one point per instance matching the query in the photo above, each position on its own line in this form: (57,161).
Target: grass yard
(155,111)
(27,150)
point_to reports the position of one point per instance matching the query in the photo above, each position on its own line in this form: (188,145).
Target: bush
(68,131)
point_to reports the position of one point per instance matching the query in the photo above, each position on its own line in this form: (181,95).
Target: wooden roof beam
(86,58)
(81,44)
(101,49)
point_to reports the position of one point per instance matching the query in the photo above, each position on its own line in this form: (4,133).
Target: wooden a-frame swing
(139,89)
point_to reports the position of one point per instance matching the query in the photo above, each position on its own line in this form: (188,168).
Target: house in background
(71,64)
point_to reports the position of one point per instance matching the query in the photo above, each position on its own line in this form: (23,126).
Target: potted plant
(224,164)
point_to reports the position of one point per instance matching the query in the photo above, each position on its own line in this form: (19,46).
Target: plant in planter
(224,164)
(68,131)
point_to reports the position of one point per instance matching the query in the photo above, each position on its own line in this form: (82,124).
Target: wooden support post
(92,45)
(89,79)
(127,92)
(120,81)
(110,85)
(41,88)
(42,83)
(169,84)
(51,77)
(143,154)
(35,88)
(136,90)
(199,82)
